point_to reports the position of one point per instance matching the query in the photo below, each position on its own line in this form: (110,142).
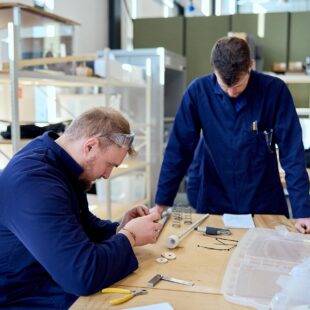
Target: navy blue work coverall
(195,173)
(240,170)
(52,248)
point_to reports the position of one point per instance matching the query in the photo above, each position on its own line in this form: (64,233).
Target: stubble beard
(85,176)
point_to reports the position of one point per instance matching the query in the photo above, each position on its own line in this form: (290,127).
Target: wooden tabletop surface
(204,267)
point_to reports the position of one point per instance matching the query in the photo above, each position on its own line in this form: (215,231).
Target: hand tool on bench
(129,294)
(158,277)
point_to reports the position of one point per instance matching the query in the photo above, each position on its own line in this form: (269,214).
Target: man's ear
(90,144)
(252,65)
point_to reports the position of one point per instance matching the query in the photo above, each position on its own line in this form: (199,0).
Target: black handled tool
(213,230)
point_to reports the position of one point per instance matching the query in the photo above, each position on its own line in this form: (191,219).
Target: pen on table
(213,230)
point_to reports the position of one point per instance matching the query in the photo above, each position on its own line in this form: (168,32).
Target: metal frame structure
(17,77)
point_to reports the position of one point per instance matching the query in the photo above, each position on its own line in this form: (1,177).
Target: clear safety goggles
(121,139)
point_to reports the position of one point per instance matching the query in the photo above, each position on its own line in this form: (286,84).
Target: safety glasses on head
(121,139)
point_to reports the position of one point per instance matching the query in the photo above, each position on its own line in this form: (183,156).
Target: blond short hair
(99,120)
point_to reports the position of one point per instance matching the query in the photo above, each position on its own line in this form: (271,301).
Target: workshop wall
(284,38)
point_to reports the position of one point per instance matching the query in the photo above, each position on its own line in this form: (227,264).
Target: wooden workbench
(204,267)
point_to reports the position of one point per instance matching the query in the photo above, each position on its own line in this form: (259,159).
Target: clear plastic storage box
(269,269)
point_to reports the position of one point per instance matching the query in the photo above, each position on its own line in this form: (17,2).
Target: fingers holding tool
(141,210)
(135,212)
(145,228)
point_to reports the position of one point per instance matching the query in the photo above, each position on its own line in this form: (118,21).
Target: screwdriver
(213,230)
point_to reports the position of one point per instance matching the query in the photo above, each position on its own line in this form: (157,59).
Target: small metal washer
(169,255)
(161,260)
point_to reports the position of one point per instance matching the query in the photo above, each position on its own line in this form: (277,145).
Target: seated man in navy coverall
(52,248)
(242,115)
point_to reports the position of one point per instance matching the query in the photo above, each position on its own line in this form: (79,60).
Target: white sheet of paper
(162,306)
(238,220)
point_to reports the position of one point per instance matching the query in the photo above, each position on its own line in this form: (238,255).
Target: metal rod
(13,39)
(174,240)
(148,155)
(165,218)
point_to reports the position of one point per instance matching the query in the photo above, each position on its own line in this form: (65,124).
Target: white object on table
(162,306)
(238,220)
(174,240)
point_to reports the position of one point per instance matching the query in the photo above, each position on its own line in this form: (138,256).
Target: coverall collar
(49,139)
(219,91)
(240,101)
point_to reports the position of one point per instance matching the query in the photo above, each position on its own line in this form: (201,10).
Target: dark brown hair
(230,57)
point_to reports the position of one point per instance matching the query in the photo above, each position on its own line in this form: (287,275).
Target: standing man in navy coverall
(195,173)
(52,248)
(242,114)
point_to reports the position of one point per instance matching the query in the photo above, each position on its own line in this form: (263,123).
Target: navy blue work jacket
(52,248)
(195,174)
(239,163)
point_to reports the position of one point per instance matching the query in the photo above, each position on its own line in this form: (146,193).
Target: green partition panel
(299,49)
(195,36)
(301,95)
(274,40)
(159,32)
(201,34)
(299,36)
(244,23)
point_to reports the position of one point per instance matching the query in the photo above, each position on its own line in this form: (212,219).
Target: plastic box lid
(261,266)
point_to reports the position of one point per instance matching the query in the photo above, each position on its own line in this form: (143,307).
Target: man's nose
(107,173)
(232,92)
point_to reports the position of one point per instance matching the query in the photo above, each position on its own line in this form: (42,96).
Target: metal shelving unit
(32,78)
(168,84)
(16,78)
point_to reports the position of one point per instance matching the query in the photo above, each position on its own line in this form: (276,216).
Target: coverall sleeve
(101,229)
(194,174)
(288,135)
(180,149)
(44,221)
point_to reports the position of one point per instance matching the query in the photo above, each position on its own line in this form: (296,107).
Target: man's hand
(133,213)
(303,225)
(144,229)
(158,209)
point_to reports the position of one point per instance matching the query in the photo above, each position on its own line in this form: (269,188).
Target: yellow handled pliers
(129,294)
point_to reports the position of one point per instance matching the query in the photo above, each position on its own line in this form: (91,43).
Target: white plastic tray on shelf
(114,66)
(262,259)
(107,67)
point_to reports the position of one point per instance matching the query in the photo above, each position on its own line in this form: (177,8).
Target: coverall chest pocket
(257,144)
